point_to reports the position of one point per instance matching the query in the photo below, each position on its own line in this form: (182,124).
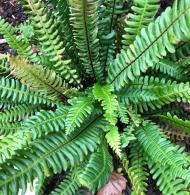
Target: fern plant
(83,99)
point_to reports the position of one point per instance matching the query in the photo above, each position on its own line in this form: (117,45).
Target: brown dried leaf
(115,186)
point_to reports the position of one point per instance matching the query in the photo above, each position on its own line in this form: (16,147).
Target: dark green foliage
(80,101)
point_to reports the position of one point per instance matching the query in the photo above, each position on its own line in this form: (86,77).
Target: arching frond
(162,151)
(149,48)
(56,152)
(13,90)
(39,78)
(151,93)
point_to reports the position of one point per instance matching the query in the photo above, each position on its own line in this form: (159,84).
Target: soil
(13,13)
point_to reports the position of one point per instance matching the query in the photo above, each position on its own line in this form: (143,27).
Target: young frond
(80,109)
(109,102)
(151,45)
(101,164)
(113,138)
(40,78)
(54,152)
(143,13)
(84,18)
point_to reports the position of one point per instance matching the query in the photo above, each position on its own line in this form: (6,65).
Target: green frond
(70,185)
(142,14)
(166,183)
(175,122)
(37,126)
(46,30)
(127,136)
(137,170)
(106,33)
(40,79)
(9,128)
(4,67)
(173,69)
(13,90)
(101,164)
(109,102)
(22,48)
(162,151)
(18,113)
(62,12)
(122,113)
(182,51)
(54,152)
(80,109)
(151,45)
(113,139)
(151,93)
(84,18)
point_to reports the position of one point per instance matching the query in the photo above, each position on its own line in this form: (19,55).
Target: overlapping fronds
(62,12)
(182,51)
(166,183)
(39,125)
(18,113)
(39,78)
(137,170)
(55,152)
(84,19)
(80,109)
(162,151)
(142,14)
(101,164)
(151,93)
(173,69)
(4,67)
(45,28)
(9,128)
(13,90)
(151,45)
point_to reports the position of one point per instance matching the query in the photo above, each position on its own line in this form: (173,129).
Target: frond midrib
(45,156)
(152,43)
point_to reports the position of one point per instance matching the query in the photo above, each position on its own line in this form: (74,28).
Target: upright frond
(46,30)
(84,17)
